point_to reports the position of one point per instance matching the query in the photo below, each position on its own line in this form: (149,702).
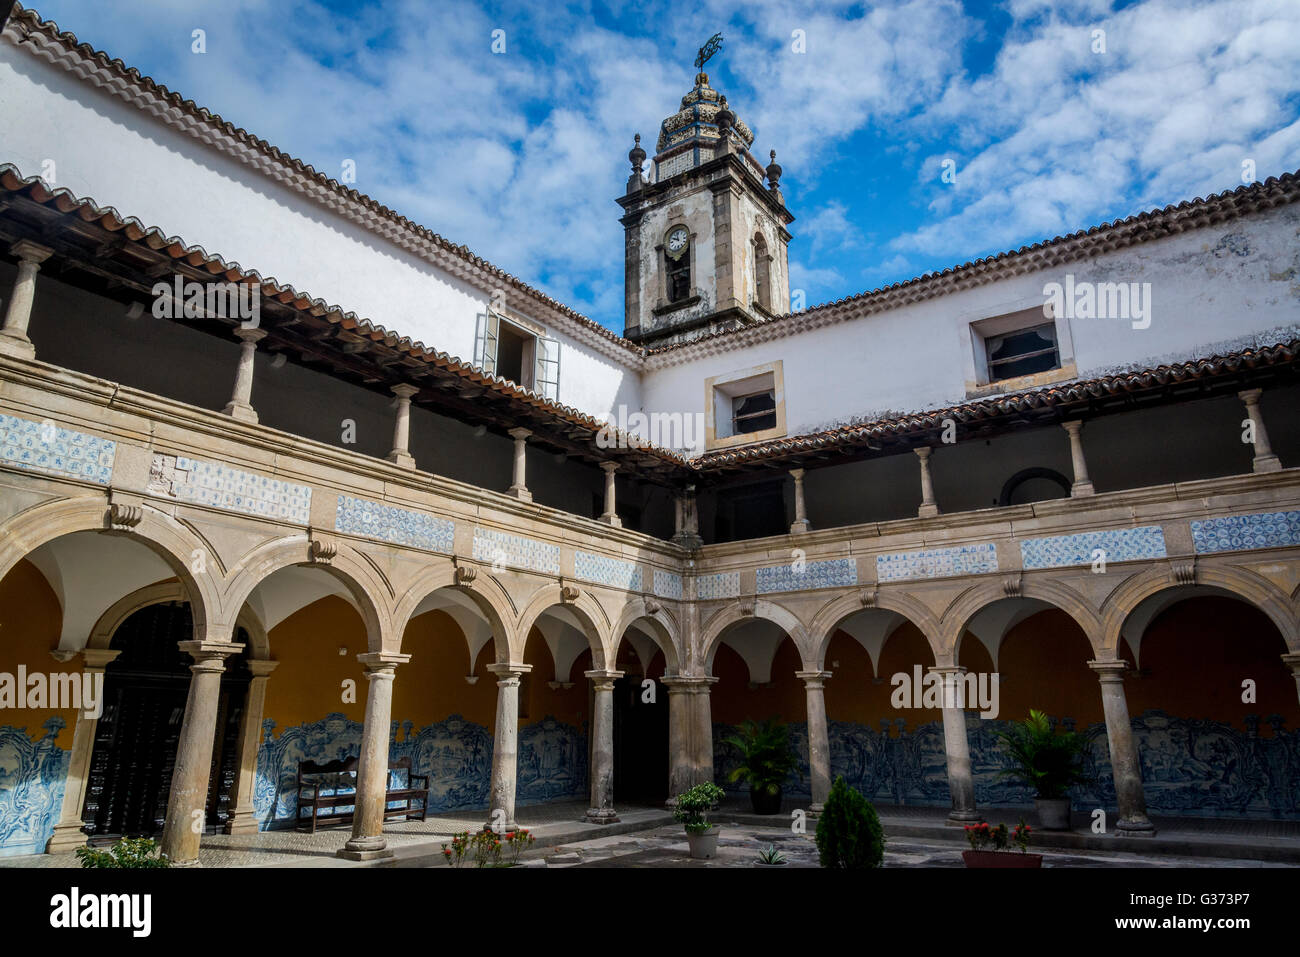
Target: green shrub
(693,807)
(128,852)
(1046,760)
(848,833)
(766,758)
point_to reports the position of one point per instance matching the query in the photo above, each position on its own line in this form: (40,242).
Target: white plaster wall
(1226,287)
(695,209)
(107,149)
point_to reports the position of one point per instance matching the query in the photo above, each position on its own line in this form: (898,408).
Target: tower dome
(690,136)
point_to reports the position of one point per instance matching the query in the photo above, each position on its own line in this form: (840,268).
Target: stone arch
(488,595)
(586,610)
(370,590)
(663,630)
(102,634)
(954,622)
(172,541)
(1244,584)
(837,609)
(762,608)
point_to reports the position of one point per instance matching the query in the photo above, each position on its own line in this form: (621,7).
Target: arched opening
(1214,709)
(555,706)
(136,737)
(1034,485)
(640,718)
(762,273)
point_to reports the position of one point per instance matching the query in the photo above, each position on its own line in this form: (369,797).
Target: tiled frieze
(220,486)
(388,523)
(977,559)
(721,585)
(805,576)
(1236,533)
(668,585)
(515,551)
(1119,545)
(44,447)
(607,571)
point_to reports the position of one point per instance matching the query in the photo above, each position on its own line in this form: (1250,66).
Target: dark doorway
(640,742)
(145,690)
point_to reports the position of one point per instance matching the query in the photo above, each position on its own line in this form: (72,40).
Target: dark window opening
(629,515)
(512,348)
(1023,353)
(753,413)
(679,276)
(751,511)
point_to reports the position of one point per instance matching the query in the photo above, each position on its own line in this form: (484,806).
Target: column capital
(603,680)
(947,669)
(1292,661)
(797,474)
(30,252)
(813,679)
(261,667)
(250,334)
(1073,426)
(519,434)
(1110,669)
(1250,396)
(205,651)
(609,467)
(923,452)
(508,669)
(404,391)
(380,664)
(97,659)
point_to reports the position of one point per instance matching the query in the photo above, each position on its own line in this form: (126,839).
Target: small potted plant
(766,760)
(692,812)
(1048,762)
(990,846)
(771,857)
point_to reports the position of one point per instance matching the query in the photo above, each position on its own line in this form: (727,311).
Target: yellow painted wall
(30,622)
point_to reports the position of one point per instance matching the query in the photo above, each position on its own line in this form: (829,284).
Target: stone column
(13,336)
(610,515)
(401,454)
(505,748)
(703,732)
(1082,484)
(68,834)
(681,693)
(602,750)
(819,747)
(928,509)
(243,819)
(1124,763)
(1292,661)
(688,523)
(239,406)
(367,842)
(187,804)
(1265,460)
(800,513)
(519,489)
(961,785)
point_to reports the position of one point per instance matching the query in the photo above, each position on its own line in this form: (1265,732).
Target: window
(510,350)
(745,406)
(1024,352)
(762,282)
(751,511)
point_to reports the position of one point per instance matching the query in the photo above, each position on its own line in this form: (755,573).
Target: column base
(242,412)
(814,810)
(688,541)
(365,849)
(1267,463)
(1080,489)
(601,815)
(519,492)
(66,837)
(242,822)
(402,459)
(960,818)
(611,520)
(798,528)
(16,347)
(1135,829)
(927,511)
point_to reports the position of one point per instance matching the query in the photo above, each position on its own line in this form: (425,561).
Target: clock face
(677,240)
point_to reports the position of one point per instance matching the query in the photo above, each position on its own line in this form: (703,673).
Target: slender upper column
(401,454)
(243,819)
(961,785)
(688,522)
(1082,483)
(68,833)
(505,750)
(928,508)
(819,748)
(13,336)
(800,512)
(1124,763)
(610,515)
(187,805)
(1265,460)
(602,748)
(240,404)
(367,842)
(519,488)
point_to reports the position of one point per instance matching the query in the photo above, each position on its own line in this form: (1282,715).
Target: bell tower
(705,239)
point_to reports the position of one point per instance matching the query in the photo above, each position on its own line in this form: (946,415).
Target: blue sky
(519,155)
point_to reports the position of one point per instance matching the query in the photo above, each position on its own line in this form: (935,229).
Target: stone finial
(637,155)
(773,173)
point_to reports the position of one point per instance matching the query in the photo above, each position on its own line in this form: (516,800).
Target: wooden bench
(333,784)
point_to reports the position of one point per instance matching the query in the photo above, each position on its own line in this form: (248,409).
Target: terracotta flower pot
(704,845)
(1001,859)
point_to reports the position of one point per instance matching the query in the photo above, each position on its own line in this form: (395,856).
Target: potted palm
(766,760)
(1048,762)
(692,811)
